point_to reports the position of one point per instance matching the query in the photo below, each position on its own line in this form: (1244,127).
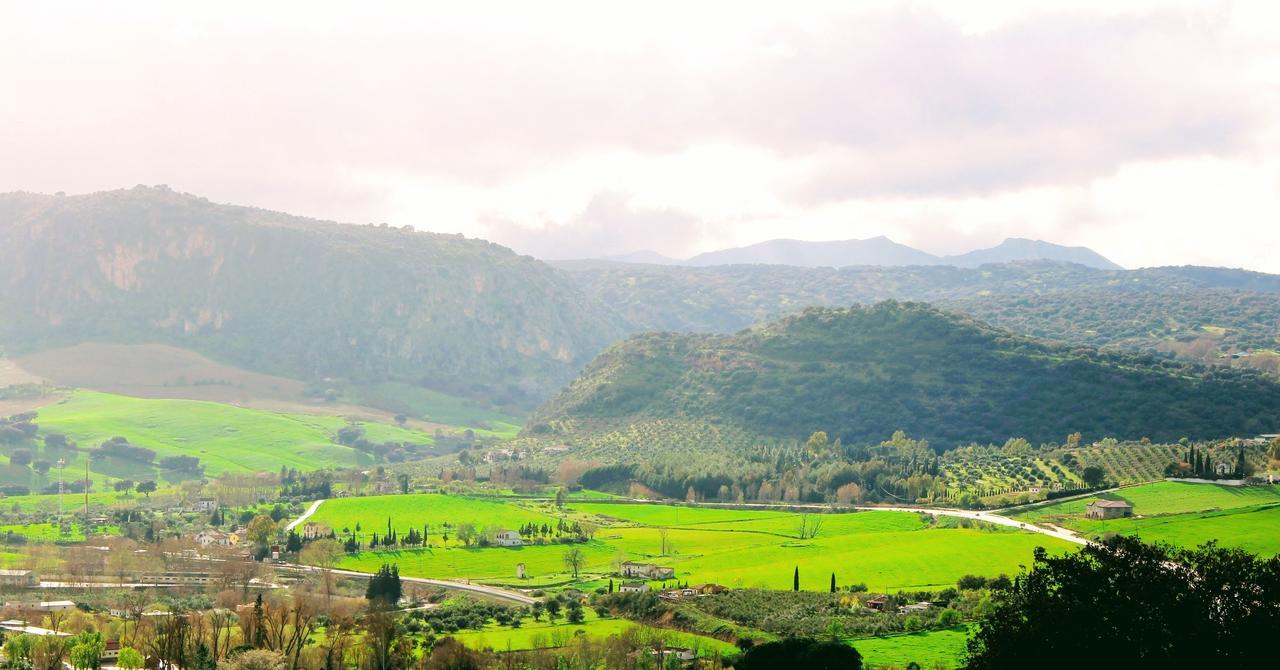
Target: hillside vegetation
(860,373)
(1203,314)
(299,298)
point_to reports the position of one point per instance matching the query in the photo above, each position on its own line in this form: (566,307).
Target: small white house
(633,587)
(211,538)
(508,538)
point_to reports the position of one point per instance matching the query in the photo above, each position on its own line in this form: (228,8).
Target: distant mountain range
(880,251)
(346,306)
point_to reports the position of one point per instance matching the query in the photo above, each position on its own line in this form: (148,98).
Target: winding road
(305,515)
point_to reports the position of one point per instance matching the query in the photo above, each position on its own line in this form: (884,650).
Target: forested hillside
(1203,314)
(294,297)
(860,373)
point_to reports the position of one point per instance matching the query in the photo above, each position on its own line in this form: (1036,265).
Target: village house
(1108,509)
(314,530)
(206,505)
(18,578)
(877,603)
(508,538)
(647,570)
(633,587)
(922,606)
(210,538)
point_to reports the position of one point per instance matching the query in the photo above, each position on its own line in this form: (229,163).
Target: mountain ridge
(301,298)
(874,251)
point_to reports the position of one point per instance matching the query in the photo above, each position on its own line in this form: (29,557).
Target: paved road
(492,591)
(989,517)
(305,515)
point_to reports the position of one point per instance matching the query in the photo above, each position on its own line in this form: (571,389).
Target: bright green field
(424,509)
(49,503)
(887,551)
(542,634)
(1182,514)
(224,437)
(931,649)
(1254,529)
(1163,498)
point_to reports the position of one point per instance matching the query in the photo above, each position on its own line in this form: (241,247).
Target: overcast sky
(1150,134)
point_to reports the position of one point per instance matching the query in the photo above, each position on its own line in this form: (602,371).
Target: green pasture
(424,509)
(544,635)
(1254,529)
(437,407)
(930,649)
(1161,498)
(225,438)
(1181,514)
(887,551)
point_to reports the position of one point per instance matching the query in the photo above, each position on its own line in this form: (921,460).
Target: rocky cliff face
(291,296)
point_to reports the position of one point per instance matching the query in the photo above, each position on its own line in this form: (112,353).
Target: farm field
(543,634)
(224,437)
(50,532)
(1162,498)
(930,649)
(888,551)
(437,511)
(1181,514)
(437,407)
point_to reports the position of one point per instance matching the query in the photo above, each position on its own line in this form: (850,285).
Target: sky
(1148,131)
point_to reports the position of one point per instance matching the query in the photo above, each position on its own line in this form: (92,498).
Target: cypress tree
(833,582)
(795,580)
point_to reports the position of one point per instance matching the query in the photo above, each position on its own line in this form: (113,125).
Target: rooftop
(1110,503)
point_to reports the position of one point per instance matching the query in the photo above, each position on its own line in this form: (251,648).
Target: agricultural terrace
(224,437)
(887,551)
(1180,513)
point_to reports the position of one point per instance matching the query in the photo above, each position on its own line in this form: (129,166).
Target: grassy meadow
(887,551)
(437,511)
(225,438)
(437,407)
(930,649)
(544,634)
(1180,513)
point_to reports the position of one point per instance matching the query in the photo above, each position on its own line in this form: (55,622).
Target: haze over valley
(706,336)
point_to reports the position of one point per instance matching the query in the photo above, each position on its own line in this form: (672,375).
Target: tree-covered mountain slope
(290,296)
(1201,314)
(861,373)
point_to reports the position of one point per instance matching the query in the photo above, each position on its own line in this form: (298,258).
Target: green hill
(294,297)
(1201,314)
(860,373)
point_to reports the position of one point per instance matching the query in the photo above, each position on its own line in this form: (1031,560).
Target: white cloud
(1121,126)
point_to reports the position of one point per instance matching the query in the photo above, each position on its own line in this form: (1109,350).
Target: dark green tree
(1134,605)
(799,652)
(795,580)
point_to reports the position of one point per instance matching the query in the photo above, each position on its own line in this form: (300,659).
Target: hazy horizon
(1146,134)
